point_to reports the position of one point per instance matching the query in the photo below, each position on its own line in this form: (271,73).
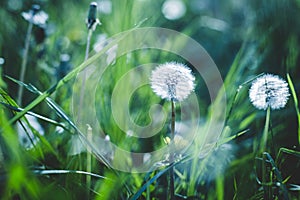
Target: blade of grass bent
(228,139)
(45,96)
(9,101)
(148,183)
(62,115)
(85,140)
(49,172)
(283,151)
(68,77)
(156,176)
(50,121)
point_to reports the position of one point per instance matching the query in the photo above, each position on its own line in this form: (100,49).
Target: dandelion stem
(263,144)
(24,62)
(173,120)
(92,22)
(171,184)
(89,160)
(88,42)
(82,91)
(263,147)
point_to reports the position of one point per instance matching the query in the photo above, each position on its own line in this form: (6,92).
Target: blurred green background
(244,38)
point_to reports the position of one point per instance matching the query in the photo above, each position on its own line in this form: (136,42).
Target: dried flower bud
(35,8)
(92,21)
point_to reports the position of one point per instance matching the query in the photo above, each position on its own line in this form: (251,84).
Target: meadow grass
(254,156)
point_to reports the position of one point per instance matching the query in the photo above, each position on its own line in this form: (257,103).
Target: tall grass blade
(294,95)
(8,101)
(228,139)
(220,187)
(41,117)
(69,76)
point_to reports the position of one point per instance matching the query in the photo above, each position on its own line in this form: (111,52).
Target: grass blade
(7,100)
(60,112)
(228,139)
(294,95)
(156,176)
(278,175)
(68,77)
(53,172)
(50,121)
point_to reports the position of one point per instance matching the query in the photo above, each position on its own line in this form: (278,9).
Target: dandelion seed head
(172,81)
(269,90)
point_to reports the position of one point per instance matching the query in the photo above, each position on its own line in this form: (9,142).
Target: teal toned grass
(24,61)
(242,52)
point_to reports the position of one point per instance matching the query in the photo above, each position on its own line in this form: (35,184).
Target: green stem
(89,160)
(263,148)
(24,62)
(82,90)
(89,129)
(88,44)
(171,172)
(148,193)
(263,144)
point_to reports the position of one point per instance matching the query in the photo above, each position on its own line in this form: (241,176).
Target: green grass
(252,155)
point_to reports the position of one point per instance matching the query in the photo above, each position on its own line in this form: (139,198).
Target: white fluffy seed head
(269,90)
(172,81)
(39,18)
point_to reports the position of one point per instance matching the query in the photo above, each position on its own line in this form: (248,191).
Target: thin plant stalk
(263,148)
(88,44)
(82,90)
(147,192)
(24,61)
(91,22)
(89,129)
(89,160)
(1,155)
(263,144)
(82,94)
(171,189)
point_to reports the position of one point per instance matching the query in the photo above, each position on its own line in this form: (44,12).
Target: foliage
(255,157)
